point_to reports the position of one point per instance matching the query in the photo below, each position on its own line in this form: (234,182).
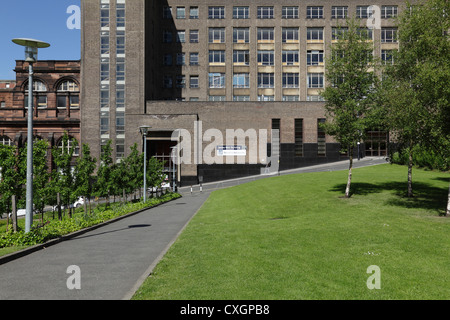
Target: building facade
(201,66)
(56,104)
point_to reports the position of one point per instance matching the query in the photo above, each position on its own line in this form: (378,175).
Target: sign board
(226,151)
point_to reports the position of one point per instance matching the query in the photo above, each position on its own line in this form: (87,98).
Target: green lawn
(294,237)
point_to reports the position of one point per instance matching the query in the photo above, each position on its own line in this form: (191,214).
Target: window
(314,57)
(217,98)
(194,37)
(167,82)
(194,59)
(241,57)
(388,34)
(298,137)
(181,13)
(314,34)
(120,69)
(241,35)
(3,104)
(217,56)
(241,98)
(266,58)
(315,80)
(339,12)
(265,13)
(167,12)
(216,13)
(120,149)
(181,36)
(120,96)
(338,33)
(314,13)
(291,98)
(387,57)
(266,80)
(362,12)
(104,69)
(265,34)
(181,59)
(241,80)
(241,13)
(68,94)
(181,82)
(290,80)
(217,80)
(388,12)
(6,141)
(120,49)
(266,98)
(321,139)
(194,82)
(38,86)
(193,13)
(290,57)
(104,42)
(167,36)
(216,35)
(290,35)
(41,102)
(104,97)
(167,59)
(120,123)
(69,144)
(104,16)
(289,13)
(365,33)
(120,15)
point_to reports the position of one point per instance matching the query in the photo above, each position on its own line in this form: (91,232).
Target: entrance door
(376,143)
(162,151)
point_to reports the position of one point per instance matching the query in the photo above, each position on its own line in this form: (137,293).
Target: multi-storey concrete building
(202,66)
(56,103)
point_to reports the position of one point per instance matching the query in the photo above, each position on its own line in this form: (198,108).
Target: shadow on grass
(426,196)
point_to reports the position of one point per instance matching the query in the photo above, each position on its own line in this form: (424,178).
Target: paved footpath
(115,259)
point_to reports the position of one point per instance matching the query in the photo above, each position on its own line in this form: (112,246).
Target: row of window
(265,57)
(267,34)
(6,141)
(217,80)
(287,12)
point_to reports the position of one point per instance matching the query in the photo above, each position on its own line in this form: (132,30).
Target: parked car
(76,204)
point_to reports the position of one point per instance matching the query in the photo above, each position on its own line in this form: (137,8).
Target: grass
(295,238)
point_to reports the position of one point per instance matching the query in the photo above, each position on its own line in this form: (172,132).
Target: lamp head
(144,130)
(31,48)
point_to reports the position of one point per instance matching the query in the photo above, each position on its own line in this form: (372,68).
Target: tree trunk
(448,203)
(349,181)
(410,166)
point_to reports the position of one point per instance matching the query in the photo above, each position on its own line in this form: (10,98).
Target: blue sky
(44,20)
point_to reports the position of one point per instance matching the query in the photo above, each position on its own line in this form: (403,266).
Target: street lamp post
(144,132)
(31,50)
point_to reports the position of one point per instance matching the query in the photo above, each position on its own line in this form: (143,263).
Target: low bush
(53,229)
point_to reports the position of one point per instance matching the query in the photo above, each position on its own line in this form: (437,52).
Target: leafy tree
(84,168)
(350,97)
(104,183)
(416,85)
(135,161)
(155,175)
(12,178)
(41,175)
(63,175)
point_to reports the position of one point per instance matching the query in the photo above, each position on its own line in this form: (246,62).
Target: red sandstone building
(56,103)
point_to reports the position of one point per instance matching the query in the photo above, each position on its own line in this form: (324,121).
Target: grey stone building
(207,67)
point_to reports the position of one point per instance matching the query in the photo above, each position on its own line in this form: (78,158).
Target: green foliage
(351,97)
(55,228)
(422,158)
